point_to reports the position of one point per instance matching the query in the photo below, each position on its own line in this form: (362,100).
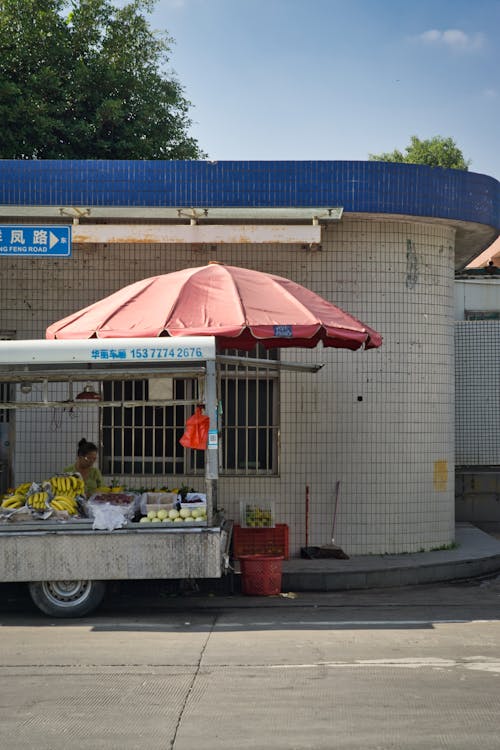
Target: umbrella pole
(211,458)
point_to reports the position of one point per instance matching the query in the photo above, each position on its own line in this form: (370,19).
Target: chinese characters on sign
(149,353)
(54,241)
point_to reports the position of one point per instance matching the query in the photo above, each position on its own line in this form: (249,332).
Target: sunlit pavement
(414,667)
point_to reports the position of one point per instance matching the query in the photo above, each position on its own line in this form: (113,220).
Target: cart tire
(67,598)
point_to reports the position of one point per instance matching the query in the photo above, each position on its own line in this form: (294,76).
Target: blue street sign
(35,241)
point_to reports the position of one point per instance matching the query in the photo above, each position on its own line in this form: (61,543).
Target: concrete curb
(477,554)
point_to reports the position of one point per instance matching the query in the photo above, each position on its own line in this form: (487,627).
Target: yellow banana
(22,489)
(68,508)
(14,501)
(65,503)
(65,499)
(57,505)
(38,500)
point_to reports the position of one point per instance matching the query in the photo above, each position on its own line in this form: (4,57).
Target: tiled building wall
(379,422)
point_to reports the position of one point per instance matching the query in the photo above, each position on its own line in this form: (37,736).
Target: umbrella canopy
(239,306)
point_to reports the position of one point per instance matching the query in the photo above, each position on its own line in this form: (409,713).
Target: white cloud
(490,93)
(172,4)
(455,39)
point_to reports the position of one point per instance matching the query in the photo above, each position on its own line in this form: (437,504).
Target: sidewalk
(477,554)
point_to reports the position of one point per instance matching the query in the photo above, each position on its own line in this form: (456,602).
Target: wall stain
(411,265)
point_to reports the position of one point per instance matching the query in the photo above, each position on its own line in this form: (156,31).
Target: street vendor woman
(85,458)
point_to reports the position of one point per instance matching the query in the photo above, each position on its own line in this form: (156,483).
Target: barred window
(143,439)
(250,419)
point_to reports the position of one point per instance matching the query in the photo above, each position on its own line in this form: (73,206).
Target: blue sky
(331,79)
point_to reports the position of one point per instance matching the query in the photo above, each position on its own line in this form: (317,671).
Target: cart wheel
(67,598)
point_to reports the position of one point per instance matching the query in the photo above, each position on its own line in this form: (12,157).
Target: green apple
(145,519)
(189,519)
(156,520)
(178,520)
(173,514)
(185,513)
(162,514)
(151,514)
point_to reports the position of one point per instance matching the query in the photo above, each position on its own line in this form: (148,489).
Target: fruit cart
(64,559)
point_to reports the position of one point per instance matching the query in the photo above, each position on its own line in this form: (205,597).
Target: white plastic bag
(108,517)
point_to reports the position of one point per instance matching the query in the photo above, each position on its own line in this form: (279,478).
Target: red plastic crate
(272,541)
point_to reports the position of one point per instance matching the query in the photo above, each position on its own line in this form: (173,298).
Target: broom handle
(307,515)
(337,491)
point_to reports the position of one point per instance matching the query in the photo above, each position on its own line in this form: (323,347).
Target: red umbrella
(239,306)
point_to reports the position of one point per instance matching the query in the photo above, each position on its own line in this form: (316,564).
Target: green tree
(435,152)
(85,79)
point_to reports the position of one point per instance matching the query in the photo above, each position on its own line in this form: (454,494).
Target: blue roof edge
(359,186)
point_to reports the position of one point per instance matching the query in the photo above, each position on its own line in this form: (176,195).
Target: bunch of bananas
(69,485)
(37,500)
(64,502)
(23,488)
(12,502)
(58,492)
(17,498)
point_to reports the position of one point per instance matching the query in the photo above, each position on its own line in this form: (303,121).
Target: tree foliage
(85,79)
(435,152)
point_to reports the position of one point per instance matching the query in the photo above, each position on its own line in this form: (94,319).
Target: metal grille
(477,393)
(250,420)
(144,440)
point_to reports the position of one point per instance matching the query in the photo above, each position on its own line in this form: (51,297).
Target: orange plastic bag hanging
(196,431)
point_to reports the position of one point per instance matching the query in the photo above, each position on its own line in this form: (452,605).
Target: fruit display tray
(257,514)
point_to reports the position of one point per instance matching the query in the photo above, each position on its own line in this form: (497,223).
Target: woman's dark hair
(84,447)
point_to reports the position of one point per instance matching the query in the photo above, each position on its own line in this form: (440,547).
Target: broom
(325,550)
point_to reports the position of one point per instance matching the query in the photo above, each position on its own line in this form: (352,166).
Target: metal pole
(211,459)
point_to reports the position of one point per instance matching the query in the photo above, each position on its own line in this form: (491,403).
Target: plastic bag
(127,502)
(196,431)
(108,517)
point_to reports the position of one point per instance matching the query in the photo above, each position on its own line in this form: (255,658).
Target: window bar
(223,427)
(260,458)
(247,430)
(140,432)
(275,406)
(132,428)
(237,425)
(121,434)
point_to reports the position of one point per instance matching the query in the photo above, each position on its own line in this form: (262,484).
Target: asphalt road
(414,668)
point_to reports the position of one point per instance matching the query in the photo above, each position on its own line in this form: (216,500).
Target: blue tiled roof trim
(364,187)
